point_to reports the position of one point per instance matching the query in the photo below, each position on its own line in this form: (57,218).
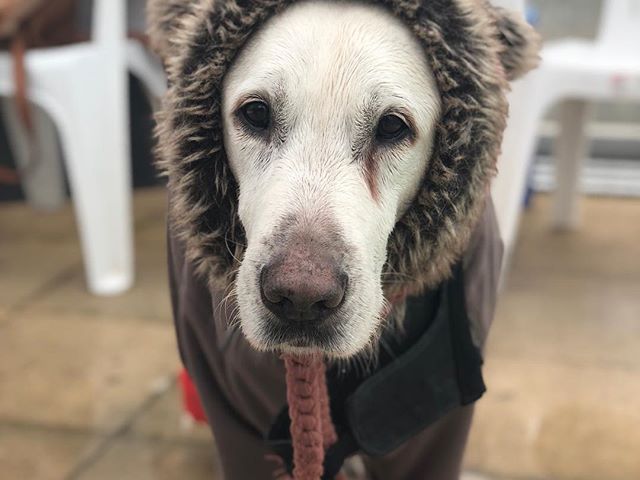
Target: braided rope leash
(312,430)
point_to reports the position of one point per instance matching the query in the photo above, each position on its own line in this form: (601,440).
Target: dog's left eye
(391,127)
(256,114)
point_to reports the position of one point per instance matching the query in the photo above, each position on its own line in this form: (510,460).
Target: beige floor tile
(563,359)
(605,245)
(36,252)
(546,420)
(79,371)
(148,299)
(576,320)
(165,420)
(139,459)
(40,454)
(21,223)
(26,276)
(474,476)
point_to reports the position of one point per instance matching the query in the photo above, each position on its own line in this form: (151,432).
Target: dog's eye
(256,114)
(391,127)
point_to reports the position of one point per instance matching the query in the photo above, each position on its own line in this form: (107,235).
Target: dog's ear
(163,17)
(521,43)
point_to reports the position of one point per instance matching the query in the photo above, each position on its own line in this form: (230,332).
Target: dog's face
(329,115)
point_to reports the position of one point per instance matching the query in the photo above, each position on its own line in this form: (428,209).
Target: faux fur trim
(163,17)
(467,45)
(520,43)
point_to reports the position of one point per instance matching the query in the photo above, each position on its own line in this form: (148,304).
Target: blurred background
(88,362)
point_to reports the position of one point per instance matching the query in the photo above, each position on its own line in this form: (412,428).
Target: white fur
(327,60)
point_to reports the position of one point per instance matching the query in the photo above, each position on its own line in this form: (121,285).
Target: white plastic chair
(574,72)
(83,90)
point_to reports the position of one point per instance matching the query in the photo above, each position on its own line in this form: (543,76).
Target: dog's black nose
(303,286)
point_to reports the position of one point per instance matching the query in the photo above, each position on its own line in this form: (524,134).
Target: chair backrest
(620,24)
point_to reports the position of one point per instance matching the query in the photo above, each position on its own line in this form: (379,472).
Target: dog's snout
(303,286)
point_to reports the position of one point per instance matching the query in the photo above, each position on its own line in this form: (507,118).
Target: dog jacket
(473,50)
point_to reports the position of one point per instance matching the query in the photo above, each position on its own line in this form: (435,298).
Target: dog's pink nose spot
(303,286)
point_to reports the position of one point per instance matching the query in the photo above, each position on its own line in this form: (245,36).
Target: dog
(322,168)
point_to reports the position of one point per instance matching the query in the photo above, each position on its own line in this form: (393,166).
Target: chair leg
(571,148)
(95,137)
(508,189)
(39,158)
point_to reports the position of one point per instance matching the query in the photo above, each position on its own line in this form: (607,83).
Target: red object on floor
(190,398)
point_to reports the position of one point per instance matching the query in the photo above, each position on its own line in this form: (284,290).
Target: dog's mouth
(309,336)
(342,334)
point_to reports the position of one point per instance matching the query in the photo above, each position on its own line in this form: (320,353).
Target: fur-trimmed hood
(473,48)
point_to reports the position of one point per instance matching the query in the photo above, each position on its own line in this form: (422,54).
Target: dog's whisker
(390,277)
(235,242)
(228,241)
(233,321)
(229,292)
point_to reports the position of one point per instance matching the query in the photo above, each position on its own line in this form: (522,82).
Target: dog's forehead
(347,52)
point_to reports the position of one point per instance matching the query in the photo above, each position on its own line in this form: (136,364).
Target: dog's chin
(333,339)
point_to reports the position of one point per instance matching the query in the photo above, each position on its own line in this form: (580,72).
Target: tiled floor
(563,363)
(87,384)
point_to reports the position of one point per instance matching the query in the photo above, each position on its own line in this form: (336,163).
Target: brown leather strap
(52,23)
(9,176)
(18,50)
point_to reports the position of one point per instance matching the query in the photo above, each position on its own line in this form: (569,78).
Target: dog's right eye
(256,114)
